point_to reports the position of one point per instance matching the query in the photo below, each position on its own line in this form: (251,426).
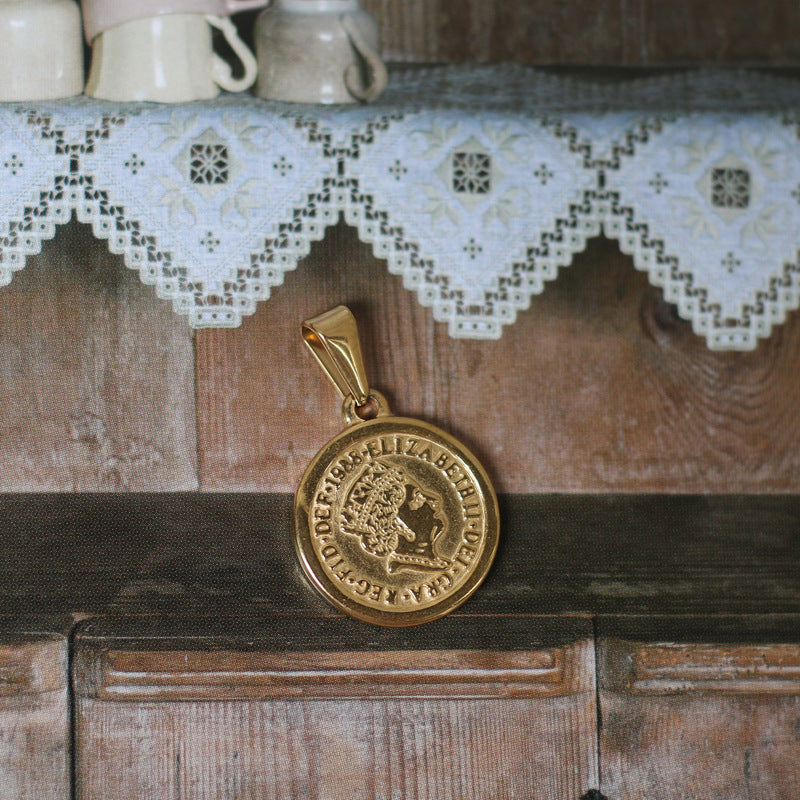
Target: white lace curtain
(476,185)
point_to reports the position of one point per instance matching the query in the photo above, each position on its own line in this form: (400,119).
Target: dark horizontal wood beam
(232,554)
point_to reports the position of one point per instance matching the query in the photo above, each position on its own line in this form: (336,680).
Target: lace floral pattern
(476,185)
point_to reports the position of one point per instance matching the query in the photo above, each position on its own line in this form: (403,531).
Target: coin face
(396,522)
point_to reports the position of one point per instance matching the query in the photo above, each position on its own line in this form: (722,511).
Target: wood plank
(176,675)
(716,719)
(672,668)
(264,407)
(34,711)
(581,32)
(31,664)
(84,554)
(96,376)
(598,387)
(480,738)
(645,555)
(759,32)
(336,750)
(737,747)
(176,659)
(233,554)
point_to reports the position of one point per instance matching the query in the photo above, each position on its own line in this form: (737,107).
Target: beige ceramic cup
(319,51)
(41,57)
(167,59)
(100,15)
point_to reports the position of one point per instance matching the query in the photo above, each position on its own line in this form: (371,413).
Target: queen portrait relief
(395,519)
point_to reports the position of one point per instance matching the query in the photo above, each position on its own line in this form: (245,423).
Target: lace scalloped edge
(512,289)
(239,291)
(244,286)
(757,319)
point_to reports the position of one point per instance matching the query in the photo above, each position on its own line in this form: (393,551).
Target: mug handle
(221,70)
(235,6)
(375,65)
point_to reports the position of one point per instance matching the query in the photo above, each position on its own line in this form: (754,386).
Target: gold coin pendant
(396,522)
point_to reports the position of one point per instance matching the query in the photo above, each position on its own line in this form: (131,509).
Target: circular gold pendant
(395,522)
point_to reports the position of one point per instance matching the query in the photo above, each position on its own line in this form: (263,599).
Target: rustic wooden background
(614,33)
(598,387)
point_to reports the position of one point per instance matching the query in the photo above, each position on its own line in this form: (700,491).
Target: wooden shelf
(232,554)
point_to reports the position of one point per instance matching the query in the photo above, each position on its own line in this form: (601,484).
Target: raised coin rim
(302,532)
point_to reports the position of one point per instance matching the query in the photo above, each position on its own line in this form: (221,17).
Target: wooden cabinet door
(34,715)
(703,715)
(333,710)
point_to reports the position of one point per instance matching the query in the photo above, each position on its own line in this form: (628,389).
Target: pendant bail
(333,339)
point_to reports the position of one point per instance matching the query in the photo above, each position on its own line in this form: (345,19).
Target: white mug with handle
(167,59)
(100,15)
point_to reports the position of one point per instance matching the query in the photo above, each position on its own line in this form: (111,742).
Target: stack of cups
(162,50)
(312,51)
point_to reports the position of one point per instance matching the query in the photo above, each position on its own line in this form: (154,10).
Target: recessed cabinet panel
(217,721)
(697,719)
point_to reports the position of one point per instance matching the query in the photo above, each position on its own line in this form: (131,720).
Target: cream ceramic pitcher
(318,51)
(41,57)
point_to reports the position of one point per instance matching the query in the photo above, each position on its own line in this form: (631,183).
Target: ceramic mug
(41,58)
(167,59)
(318,51)
(100,15)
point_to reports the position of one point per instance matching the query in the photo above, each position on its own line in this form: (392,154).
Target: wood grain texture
(34,714)
(337,750)
(598,387)
(233,554)
(264,407)
(763,32)
(472,740)
(638,555)
(582,32)
(31,664)
(684,719)
(679,747)
(96,376)
(178,675)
